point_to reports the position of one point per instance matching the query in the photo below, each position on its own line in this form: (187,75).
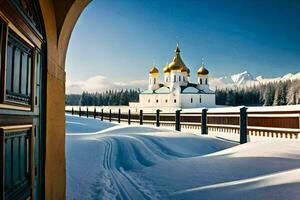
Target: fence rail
(240,124)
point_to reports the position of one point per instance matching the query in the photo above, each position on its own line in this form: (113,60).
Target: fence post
(243,125)
(141,117)
(204,122)
(157,118)
(87,112)
(129,117)
(79,111)
(110,115)
(72,111)
(101,114)
(119,116)
(177,121)
(95,113)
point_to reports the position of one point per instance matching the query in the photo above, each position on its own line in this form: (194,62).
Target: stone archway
(59,20)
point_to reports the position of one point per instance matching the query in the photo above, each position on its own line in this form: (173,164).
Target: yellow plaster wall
(59,19)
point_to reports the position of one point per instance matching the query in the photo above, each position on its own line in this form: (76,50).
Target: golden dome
(177,63)
(166,69)
(184,70)
(202,71)
(153,70)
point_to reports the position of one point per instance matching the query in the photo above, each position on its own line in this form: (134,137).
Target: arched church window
(191,100)
(206,81)
(156,100)
(166,100)
(200,81)
(174,78)
(200,99)
(148,100)
(174,100)
(154,80)
(179,78)
(183,78)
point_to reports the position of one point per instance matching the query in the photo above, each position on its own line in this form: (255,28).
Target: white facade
(176,91)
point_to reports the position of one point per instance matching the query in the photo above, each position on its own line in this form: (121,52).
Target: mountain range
(247,79)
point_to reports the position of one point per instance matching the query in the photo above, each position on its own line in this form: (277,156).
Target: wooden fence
(239,123)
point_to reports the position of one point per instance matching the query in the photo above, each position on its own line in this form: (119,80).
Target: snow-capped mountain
(247,79)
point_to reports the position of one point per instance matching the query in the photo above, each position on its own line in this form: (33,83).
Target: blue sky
(119,40)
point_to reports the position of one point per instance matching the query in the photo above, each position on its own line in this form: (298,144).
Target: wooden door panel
(21,83)
(17,146)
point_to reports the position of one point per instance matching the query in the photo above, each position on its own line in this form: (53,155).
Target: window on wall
(200,81)
(174,100)
(174,78)
(156,100)
(183,78)
(191,100)
(154,80)
(166,100)
(18,70)
(179,78)
(206,81)
(148,100)
(200,99)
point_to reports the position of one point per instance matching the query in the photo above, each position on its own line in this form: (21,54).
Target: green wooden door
(21,104)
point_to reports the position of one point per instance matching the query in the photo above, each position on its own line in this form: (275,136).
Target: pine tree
(268,96)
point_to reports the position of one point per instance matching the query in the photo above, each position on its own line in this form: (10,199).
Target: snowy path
(126,187)
(105,161)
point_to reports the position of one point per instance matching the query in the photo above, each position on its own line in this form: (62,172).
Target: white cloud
(100,83)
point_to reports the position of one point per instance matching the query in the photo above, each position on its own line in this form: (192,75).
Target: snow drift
(137,162)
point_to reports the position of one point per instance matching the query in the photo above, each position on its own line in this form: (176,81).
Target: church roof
(177,63)
(202,70)
(148,92)
(190,88)
(153,70)
(166,69)
(162,90)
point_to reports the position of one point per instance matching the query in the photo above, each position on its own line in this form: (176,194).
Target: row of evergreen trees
(107,98)
(274,93)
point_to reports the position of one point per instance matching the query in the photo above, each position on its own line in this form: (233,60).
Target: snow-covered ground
(107,161)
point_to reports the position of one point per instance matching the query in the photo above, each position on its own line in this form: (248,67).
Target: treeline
(275,93)
(107,98)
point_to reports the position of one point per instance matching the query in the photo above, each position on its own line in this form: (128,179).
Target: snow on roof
(208,90)
(190,90)
(147,92)
(162,90)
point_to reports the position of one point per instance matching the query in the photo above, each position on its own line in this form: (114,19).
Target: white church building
(176,91)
